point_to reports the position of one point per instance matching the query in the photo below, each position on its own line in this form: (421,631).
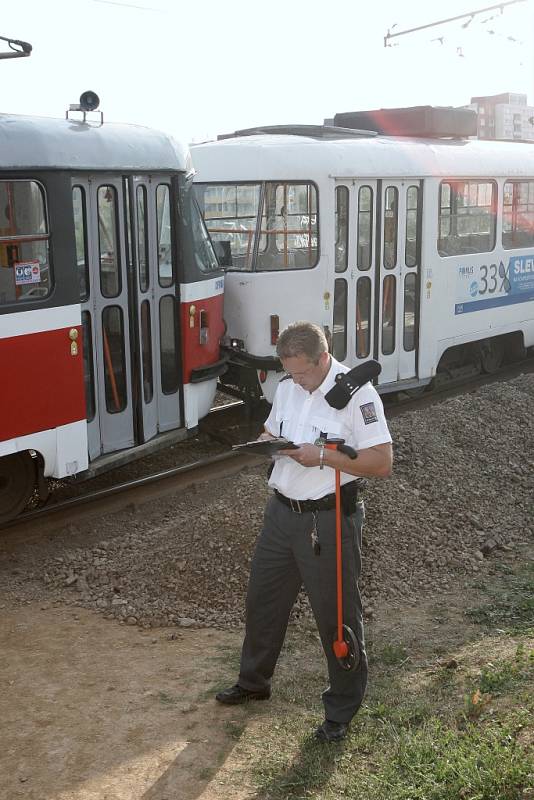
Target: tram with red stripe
(110,300)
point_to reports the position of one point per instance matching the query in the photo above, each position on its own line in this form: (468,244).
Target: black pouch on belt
(350,494)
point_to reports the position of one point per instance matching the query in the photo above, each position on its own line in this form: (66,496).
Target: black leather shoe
(236,694)
(331,731)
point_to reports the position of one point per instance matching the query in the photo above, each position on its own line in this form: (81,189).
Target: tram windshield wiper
(18,48)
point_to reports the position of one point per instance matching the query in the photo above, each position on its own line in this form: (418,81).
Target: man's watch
(320,443)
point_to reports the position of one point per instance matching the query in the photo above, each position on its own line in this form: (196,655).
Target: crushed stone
(461,497)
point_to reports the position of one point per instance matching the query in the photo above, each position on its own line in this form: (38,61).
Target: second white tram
(418,252)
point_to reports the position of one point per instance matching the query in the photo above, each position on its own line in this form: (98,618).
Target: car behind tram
(110,300)
(413,249)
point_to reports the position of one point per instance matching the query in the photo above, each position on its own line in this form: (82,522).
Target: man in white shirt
(297,544)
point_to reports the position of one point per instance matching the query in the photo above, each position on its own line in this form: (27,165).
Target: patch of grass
(234,728)
(411,713)
(439,763)
(505,675)
(511,607)
(391,655)
(166,699)
(378,761)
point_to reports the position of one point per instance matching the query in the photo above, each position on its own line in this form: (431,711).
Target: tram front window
(267,226)
(231,214)
(197,245)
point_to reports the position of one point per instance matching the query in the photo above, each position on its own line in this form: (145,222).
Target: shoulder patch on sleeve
(369,413)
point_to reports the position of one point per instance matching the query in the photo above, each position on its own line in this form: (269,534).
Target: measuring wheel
(17,482)
(347,651)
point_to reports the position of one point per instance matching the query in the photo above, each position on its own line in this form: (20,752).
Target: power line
(470,14)
(127,5)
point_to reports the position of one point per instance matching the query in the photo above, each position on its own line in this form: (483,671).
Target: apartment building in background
(504,116)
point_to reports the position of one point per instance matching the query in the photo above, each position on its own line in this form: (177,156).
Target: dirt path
(96,711)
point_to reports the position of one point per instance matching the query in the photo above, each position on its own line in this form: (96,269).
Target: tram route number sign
(27,272)
(483,286)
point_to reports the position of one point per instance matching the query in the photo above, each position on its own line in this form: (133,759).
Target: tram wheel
(491,355)
(17,482)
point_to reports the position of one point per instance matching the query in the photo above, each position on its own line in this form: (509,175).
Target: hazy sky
(201,68)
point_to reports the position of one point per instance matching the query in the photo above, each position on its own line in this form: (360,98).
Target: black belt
(326,503)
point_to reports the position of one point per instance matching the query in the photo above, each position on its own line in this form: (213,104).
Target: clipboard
(265,447)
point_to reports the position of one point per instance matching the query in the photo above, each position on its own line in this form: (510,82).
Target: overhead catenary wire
(470,14)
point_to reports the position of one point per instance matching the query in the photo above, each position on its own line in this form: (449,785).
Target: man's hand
(307,455)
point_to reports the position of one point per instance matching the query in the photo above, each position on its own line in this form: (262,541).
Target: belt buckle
(295,505)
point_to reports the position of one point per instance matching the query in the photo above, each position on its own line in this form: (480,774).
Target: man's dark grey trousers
(284,559)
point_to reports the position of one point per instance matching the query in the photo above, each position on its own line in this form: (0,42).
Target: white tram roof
(289,157)
(46,143)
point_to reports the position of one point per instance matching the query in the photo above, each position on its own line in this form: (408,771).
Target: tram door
(378,226)
(130,359)
(157,306)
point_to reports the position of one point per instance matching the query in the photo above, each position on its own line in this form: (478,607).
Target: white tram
(110,300)
(416,251)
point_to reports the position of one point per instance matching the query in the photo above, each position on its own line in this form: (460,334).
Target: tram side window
(230,212)
(80,231)
(411,254)
(391,221)
(365,227)
(142,238)
(467,217)
(110,277)
(146,352)
(163,211)
(363,317)
(24,243)
(518,215)
(339,339)
(408,338)
(289,227)
(88,374)
(388,315)
(342,228)
(114,359)
(170,377)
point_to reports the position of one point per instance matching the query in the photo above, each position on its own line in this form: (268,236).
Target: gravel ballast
(461,493)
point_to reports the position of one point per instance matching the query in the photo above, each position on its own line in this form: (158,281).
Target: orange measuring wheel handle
(345,646)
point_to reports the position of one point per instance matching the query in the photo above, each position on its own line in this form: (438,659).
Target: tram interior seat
(517,239)
(466,245)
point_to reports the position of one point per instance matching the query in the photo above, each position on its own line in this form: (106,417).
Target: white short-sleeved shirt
(303,416)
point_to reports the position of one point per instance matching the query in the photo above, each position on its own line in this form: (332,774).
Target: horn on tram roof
(89,101)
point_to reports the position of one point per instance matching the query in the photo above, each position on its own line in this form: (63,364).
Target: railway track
(133,492)
(225,424)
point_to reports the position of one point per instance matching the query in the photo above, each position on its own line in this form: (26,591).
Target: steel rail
(136,483)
